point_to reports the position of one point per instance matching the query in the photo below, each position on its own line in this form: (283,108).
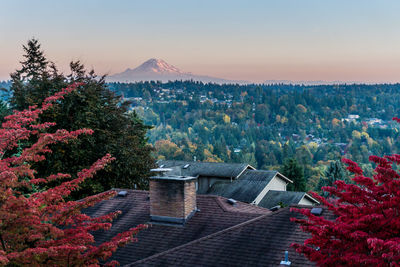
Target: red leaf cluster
(42,228)
(366,231)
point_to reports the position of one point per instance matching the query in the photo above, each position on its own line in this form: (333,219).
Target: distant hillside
(159,70)
(264,125)
(309,82)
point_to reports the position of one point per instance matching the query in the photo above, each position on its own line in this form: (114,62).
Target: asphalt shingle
(274,198)
(246,188)
(215,215)
(261,241)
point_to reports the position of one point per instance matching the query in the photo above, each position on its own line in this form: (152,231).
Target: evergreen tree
(333,173)
(294,171)
(28,82)
(93,106)
(4,110)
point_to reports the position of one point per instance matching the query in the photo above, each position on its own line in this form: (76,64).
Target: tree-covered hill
(266,124)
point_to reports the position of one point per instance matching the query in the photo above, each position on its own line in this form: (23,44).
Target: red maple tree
(366,231)
(41,228)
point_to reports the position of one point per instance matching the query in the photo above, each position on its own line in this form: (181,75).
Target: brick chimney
(172,199)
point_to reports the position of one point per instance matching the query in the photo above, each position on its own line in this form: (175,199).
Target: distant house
(251,187)
(207,172)
(198,230)
(237,150)
(351,118)
(374,121)
(237,181)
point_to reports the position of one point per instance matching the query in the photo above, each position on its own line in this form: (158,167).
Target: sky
(298,40)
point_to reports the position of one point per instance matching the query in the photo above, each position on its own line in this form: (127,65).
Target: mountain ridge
(158,70)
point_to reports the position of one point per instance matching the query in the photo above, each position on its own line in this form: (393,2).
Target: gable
(276,183)
(246,188)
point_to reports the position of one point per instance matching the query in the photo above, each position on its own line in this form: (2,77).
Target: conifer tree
(93,106)
(294,171)
(333,173)
(42,228)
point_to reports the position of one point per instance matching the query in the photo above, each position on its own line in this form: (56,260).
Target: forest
(266,125)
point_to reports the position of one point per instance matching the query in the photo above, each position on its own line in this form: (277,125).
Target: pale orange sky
(332,40)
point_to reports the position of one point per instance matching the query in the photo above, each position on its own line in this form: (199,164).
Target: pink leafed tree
(42,228)
(366,228)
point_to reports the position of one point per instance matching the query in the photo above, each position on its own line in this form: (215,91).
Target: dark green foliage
(295,172)
(335,171)
(93,106)
(269,123)
(4,110)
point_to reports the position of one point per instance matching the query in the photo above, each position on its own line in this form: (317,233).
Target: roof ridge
(234,227)
(189,161)
(262,170)
(128,189)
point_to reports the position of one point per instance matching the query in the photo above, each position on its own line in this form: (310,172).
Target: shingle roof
(215,215)
(261,241)
(209,169)
(274,197)
(246,188)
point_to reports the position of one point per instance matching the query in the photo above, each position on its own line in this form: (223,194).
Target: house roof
(261,241)
(274,198)
(215,215)
(208,169)
(245,189)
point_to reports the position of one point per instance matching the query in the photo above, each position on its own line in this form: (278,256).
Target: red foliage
(366,231)
(42,228)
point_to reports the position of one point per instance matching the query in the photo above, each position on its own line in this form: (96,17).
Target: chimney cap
(174,178)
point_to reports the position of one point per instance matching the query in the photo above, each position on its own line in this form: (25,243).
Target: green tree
(294,171)
(4,110)
(93,106)
(333,173)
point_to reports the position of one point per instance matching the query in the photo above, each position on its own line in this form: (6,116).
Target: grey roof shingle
(209,169)
(246,188)
(274,198)
(261,241)
(215,214)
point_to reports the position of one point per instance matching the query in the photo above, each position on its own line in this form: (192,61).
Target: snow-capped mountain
(159,70)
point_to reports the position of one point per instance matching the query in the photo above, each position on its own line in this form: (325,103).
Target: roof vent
(286,261)
(186,166)
(232,201)
(275,208)
(122,193)
(316,211)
